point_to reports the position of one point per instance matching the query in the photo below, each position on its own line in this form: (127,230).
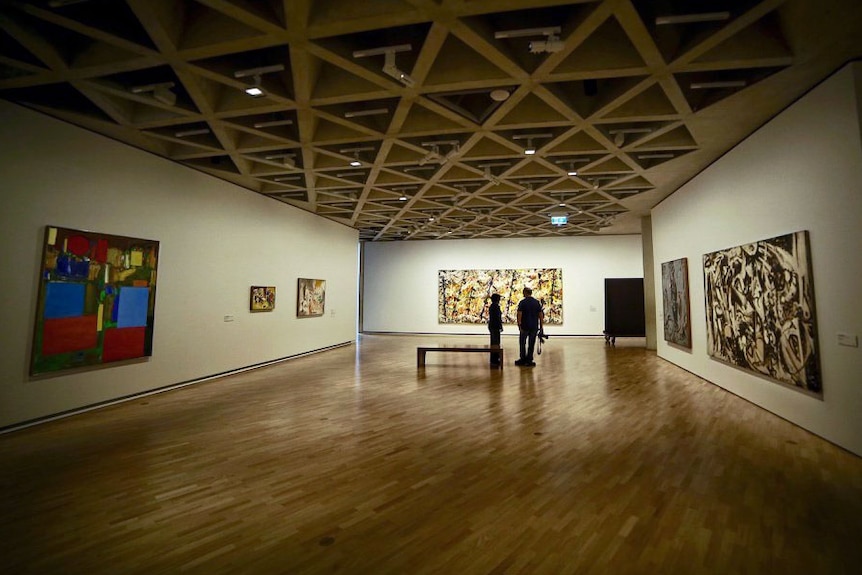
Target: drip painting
(464,295)
(310,297)
(96,301)
(760,310)
(262,298)
(675,300)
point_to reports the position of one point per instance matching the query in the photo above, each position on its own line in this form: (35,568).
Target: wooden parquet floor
(598,460)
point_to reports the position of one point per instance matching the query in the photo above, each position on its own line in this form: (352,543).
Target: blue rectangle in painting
(132,308)
(64,300)
(71,268)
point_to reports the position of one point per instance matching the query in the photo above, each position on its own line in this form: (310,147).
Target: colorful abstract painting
(464,295)
(675,299)
(310,297)
(262,298)
(760,310)
(96,302)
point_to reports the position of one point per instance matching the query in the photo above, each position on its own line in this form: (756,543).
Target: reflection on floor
(598,460)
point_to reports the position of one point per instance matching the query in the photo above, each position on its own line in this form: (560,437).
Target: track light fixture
(389,67)
(718,84)
(286,159)
(356,162)
(192,132)
(434,151)
(273,123)
(161,92)
(530,149)
(692,18)
(550,45)
(255,90)
(489,175)
(363,113)
(571,170)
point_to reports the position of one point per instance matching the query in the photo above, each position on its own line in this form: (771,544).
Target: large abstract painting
(310,297)
(760,309)
(463,295)
(96,302)
(675,299)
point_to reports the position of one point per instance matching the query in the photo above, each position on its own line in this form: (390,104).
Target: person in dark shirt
(495,325)
(530,321)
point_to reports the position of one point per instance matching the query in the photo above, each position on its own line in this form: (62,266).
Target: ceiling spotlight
(530,150)
(692,18)
(161,92)
(619,139)
(255,91)
(356,162)
(389,67)
(571,170)
(193,132)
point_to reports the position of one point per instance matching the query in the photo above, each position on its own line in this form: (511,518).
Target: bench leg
(420,357)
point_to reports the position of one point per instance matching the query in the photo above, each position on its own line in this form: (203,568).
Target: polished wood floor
(598,460)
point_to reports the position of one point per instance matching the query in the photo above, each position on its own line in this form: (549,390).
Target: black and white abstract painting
(760,310)
(674,288)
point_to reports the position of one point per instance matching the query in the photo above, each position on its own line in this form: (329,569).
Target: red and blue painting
(97,298)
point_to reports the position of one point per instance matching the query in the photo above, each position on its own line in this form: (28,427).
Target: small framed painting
(262,298)
(310,297)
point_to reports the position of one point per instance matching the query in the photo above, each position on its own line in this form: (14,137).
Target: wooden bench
(421,351)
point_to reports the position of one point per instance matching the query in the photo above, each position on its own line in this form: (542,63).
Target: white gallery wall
(216,240)
(400,278)
(801,171)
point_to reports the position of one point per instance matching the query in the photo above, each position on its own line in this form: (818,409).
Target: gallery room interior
(229,226)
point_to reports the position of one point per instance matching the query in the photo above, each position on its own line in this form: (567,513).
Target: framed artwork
(96,300)
(464,295)
(760,310)
(675,302)
(262,298)
(310,297)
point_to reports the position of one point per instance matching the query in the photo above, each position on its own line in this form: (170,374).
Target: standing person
(495,325)
(530,321)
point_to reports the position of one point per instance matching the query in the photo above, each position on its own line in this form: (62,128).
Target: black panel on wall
(624,307)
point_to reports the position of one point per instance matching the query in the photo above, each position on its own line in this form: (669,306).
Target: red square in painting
(62,335)
(123,343)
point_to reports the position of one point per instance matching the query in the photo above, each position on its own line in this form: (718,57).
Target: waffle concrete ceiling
(635,104)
